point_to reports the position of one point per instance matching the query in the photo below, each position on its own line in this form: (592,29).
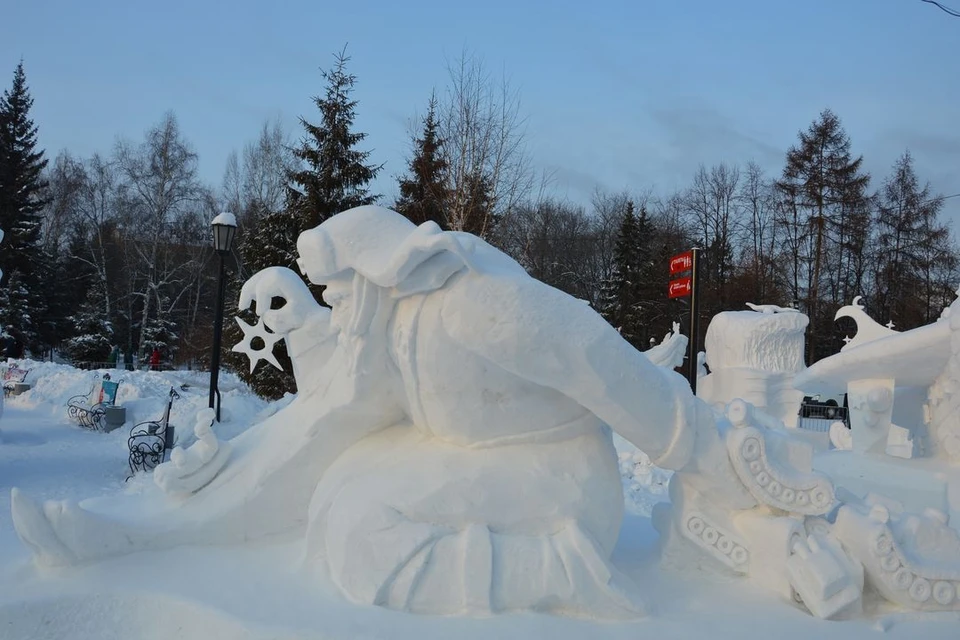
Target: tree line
(114,249)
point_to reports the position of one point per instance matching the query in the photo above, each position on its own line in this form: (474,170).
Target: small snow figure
(191,469)
(155,359)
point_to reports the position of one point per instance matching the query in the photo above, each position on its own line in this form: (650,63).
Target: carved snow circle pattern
(943,592)
(739,555)
(750,449)
(890,562)
(710,535)
(696,525)
(903,578)
(920,590)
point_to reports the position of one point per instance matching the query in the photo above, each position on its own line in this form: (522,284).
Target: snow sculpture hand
(279,282)
(189,470)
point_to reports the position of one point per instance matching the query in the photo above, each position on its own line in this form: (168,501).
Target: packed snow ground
(259,592)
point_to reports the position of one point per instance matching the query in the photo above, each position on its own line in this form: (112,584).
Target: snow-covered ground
(260,592)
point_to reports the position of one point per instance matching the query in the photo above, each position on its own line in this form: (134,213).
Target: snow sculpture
(189,470)
(754,355)
(671,351)
(450,448)
(443,379)
(821,550)
(942,410)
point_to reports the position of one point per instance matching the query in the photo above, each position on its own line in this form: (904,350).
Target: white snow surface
(257,591)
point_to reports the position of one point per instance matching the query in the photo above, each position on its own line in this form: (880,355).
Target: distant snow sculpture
(771,308)
(671,351)
(450,448)
(868,329)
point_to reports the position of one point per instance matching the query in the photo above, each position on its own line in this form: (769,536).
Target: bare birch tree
(484,146)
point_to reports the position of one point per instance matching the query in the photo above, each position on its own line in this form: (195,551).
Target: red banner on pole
(681,262)
(680,288)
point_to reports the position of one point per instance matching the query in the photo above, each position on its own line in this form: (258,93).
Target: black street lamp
(224,228)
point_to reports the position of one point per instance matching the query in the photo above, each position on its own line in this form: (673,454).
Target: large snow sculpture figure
(452,423)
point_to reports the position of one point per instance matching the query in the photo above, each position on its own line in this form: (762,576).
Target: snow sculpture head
(383,247)
(369,257)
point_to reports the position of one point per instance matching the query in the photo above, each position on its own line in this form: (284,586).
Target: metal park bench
(815,415)
(12,377)
(149,441)
(88,410)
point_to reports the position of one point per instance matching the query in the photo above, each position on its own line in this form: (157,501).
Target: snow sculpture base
(914,487)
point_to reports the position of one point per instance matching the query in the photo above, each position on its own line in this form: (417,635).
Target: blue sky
(620,94)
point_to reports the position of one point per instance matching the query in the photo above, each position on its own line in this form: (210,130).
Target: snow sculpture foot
(190,470)
(32,524)
(60,533)
(777,483)
(917,575)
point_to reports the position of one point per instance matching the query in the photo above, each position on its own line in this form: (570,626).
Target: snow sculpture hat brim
(379,244)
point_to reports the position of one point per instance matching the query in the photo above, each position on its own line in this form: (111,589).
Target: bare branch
(947,10)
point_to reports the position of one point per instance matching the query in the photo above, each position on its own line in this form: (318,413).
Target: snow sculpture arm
(303,323)
(548,337)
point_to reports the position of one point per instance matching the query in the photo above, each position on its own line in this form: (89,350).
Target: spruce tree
(332,176)
(92,332)
(21,203)
(424,193)
(621,296)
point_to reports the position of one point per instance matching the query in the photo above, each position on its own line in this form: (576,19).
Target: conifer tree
(622,297)
(21,202)
(910,243)
(332,176)
(824,188)
(424,193)
(92,332)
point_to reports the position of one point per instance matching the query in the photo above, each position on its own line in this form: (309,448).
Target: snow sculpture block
(825,578)
(871,403)
(899,442)
(754,355)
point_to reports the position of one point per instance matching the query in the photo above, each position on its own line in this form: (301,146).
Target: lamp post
(224,228)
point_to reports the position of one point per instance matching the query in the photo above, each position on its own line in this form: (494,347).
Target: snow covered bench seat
(88,410)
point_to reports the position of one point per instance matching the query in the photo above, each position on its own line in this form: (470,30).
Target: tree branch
(948,10)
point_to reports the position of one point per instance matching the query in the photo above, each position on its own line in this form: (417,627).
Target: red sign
(681,287)
(681,262)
